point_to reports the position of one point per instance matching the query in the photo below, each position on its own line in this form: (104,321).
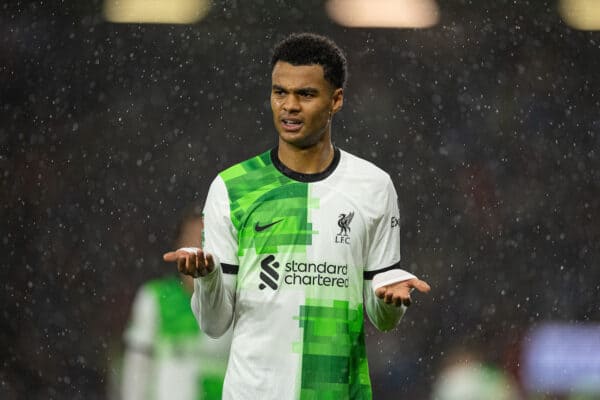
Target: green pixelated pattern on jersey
(261,196)
(334,362)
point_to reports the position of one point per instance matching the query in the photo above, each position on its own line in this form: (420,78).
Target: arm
(387,287)
(137,367)
(213,302)
(383,316)
(139,336)
(213,268)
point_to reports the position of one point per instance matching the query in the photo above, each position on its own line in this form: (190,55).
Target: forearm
(137,367)
(213,302)
(383,316)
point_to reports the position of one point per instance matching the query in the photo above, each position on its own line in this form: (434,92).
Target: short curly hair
(309,49)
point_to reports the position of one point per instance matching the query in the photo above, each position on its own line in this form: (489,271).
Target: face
(303,103)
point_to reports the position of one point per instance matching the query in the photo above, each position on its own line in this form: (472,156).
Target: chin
(294,138)
(298,142)
(299,139)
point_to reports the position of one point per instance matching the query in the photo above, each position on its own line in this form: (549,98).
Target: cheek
(322,115)
(275,100)
(274,106)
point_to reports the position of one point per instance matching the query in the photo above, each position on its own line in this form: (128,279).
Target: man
(295,238)
(167,357)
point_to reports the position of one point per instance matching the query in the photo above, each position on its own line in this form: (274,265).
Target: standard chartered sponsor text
(321,274)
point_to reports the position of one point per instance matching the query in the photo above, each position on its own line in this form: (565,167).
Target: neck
(309,160)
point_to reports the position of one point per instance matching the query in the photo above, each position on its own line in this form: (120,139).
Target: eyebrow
(305,90)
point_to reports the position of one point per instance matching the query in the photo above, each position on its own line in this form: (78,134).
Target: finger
(170,256)
(210,263)
(380,292)
(397,301)
(197,264)
(201,259)
(402,296)
(420,285)
(181,265)
(200,264)
(389,297)
(193,263)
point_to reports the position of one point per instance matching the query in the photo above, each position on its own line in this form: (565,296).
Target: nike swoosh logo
(259,228)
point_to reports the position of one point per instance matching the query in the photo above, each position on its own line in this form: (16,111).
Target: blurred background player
(167,356)
(466,376)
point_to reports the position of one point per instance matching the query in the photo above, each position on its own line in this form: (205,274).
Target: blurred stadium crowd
(488,124)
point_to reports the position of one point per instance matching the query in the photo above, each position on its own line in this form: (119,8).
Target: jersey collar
(299,176)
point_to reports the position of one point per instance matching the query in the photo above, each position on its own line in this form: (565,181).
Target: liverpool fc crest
(344,221)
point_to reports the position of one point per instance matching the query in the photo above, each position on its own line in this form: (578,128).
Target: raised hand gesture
(191,261)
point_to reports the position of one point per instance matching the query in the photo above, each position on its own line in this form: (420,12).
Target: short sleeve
(384,246)
(220,236)
(141,330)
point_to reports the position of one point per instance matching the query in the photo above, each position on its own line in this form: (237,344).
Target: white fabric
(213,303)
(220,236)
(392,276)
(190,250)
(137,363)
(384,236)
(141,330)
(166,370)
(266,331)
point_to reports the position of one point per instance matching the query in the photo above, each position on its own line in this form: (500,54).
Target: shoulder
(248,179)
(246,167)
(229,182)
(367,184)
(365,170)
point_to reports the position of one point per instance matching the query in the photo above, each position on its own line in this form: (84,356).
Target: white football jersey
(297,255)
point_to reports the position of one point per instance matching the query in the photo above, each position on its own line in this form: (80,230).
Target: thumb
(170,256)
(421,286)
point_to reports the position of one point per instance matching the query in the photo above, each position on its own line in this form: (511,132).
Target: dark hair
(309,49)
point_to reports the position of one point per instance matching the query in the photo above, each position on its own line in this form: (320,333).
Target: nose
(291,103)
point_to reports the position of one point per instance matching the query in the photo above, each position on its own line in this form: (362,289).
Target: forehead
(287,75)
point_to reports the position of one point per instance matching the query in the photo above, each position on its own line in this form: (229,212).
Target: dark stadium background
(488,123)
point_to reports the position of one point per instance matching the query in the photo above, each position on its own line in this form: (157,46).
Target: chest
(313,220)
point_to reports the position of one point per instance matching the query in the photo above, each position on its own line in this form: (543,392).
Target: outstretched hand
(191,261)
(399,293)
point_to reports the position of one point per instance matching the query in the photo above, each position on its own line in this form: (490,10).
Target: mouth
(291,124)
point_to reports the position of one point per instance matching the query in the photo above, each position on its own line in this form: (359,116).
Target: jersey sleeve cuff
(389,277)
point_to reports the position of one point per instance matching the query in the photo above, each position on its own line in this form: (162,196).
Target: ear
(337,100)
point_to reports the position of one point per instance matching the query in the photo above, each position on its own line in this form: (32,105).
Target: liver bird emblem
(344,223)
